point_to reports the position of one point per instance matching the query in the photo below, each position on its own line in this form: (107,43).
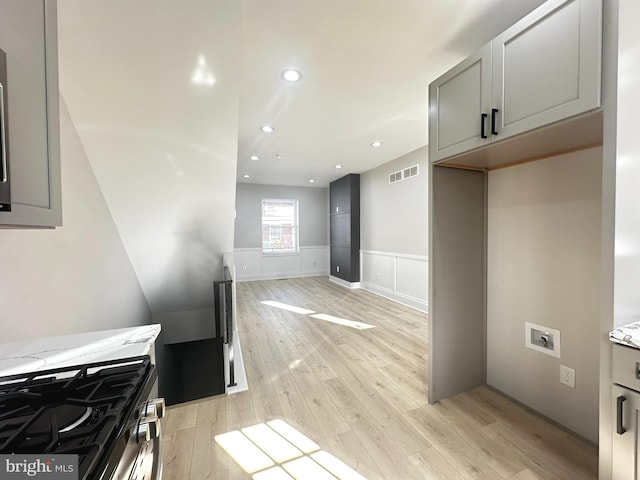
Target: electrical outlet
(568,376)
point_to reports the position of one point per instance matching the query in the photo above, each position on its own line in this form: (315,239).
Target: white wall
(621,199)
(393,231)
(313,213)
(76,278)
(162,146)
(544,230)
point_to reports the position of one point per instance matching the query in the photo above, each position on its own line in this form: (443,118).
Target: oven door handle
(156,473)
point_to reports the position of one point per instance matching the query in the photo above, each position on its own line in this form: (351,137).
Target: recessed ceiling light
(246,176)
(338,166)
(254,157)
(278,155)
(202,74)
(267,128)
(312,181)
(291,75)
(376,144)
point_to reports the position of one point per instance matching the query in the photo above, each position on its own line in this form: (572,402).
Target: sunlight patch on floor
(289,308)
(244,451)
(320,316)
(294,436)
(277,451)
(342,321)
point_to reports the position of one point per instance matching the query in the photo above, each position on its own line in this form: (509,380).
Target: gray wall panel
(543,267)
(394,217)
(313,213)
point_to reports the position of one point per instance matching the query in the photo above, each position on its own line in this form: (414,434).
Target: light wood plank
(361,395)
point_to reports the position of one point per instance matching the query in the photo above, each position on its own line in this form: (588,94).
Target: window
(279,226)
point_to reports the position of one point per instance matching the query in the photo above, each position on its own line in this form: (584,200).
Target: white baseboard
(344,283)
(412,302)
(277,276)
(239,371)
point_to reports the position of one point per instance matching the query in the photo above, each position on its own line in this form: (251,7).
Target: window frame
(295,227)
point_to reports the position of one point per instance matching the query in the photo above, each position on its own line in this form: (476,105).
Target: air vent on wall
(395,177)
(410,172)
(404,174)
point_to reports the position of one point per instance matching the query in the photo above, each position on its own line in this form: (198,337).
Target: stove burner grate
(78,410)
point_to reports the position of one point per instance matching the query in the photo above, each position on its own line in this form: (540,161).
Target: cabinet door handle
(3,139)
(493,121)
(483,117)
(619,428)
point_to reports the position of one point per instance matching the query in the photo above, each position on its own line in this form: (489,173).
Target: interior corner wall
(393,231)
(543,267)
(75,278)
(313,215)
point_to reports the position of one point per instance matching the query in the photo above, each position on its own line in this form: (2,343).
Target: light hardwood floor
(360,394)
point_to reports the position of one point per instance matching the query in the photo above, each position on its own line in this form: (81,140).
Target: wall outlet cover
(568,376)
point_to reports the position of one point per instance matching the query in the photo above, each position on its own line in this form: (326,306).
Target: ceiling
(167,98)
(366,66)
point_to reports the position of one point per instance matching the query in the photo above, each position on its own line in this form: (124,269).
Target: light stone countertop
(79,349)
(628,335)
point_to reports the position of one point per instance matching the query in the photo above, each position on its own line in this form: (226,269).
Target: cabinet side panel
(22,36)
(457,334)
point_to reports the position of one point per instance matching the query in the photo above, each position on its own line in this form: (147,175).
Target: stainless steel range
(99,411)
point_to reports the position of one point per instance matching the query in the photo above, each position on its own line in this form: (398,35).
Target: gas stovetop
(80,410)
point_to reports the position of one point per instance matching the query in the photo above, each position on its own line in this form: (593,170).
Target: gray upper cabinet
(28,35)
(544,69)
(547,67)
(458,100)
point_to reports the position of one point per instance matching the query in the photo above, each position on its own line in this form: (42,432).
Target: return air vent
(410,172)
(395,177)
(404,174)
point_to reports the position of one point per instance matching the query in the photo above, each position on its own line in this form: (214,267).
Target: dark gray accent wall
(312,212)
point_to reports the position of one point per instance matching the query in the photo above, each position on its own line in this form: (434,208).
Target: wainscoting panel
(378,269)
(412,277)
(251,264)
(399,277)
(280,264)
(248,262)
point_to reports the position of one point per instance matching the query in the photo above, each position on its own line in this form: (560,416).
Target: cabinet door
(625,445)
(340,195)
(28,35)
(340,229)
(546,67)
(457,101)
(341,263)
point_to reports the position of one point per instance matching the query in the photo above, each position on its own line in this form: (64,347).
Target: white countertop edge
(628,335)
(78,349)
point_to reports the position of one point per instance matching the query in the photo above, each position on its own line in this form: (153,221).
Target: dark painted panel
(341,263)
(340,228)
(192,370)
(344,227)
